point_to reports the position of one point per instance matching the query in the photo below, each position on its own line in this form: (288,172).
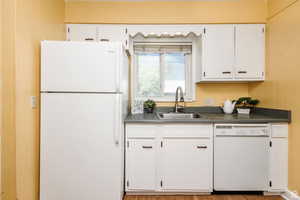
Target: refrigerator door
(80,66)
(81,147)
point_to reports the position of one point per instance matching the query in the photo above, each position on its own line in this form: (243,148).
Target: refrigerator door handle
(118,121)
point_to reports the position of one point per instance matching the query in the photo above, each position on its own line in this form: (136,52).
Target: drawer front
(186,131)
(141,130)
(279,130)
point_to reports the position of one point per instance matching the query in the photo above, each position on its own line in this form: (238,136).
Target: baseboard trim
(167,193)
(289,195)
(273,193)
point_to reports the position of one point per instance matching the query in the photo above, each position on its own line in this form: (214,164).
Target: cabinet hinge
(161,144)
(270,183)
(127,183)
(271,144)
(204,30)
(161,183)
(127,144)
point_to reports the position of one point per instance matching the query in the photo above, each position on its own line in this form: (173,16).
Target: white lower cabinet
(169,158)
(141,164)
(178,158)
(278,171)
(186,164)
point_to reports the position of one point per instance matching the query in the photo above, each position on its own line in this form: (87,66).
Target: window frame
(189,76)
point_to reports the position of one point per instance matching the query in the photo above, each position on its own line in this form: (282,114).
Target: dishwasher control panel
(242,130)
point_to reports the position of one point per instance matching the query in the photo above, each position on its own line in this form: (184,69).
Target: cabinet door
(279,164)
(141,165)
(81,32)
(218,52)
(186,164)
(250,51)
(112,33)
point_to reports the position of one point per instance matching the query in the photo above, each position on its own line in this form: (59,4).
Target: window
(160,68)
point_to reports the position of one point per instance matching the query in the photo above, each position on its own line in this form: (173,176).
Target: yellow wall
(8,99)
(159,12)
(277,6)
(36,20)
(225,11)
(283,62)
(24,25)
(1,96)
(219,92)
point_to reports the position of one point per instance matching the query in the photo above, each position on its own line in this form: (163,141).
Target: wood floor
(206,197)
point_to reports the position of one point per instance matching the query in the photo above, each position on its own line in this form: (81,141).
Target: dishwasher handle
(242,136)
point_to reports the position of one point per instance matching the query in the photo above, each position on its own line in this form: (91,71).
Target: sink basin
(173,115)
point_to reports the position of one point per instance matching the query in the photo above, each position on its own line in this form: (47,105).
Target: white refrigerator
(84,98)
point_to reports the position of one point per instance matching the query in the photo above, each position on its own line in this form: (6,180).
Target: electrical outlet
(33,101)
(209,102)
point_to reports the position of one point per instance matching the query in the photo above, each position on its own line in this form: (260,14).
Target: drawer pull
(201,147)
(89,39)
(104,40)
(242,72)
(227,72)
(147,147)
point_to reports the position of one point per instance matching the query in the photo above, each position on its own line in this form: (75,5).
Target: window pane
(174,72)
(148,66)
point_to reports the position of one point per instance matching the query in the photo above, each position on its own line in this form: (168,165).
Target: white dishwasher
(241,157)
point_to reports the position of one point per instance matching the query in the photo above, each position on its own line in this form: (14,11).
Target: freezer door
(80,66)
(81,150)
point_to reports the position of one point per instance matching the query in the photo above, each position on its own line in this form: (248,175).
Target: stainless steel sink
(173,115)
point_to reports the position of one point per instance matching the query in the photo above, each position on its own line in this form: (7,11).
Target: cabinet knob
(201,147)
(147,147)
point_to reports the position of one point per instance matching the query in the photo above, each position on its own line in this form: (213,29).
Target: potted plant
(149,106)
(245,104)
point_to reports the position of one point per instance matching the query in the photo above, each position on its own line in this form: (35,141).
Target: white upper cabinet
(99,33)
(218,52)
(82,32)
(233,53)
(111,33)
(226,52)
(250,51)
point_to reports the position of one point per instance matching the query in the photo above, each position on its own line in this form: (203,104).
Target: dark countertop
(216,115)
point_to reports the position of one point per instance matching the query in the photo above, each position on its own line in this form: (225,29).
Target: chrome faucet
(179,108)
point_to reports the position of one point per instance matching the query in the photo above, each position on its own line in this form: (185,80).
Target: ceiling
(133,0)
